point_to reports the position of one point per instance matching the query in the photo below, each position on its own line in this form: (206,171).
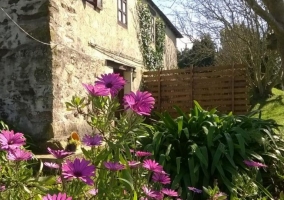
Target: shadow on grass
(263,102)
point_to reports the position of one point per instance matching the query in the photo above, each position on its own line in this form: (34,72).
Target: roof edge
(165,18)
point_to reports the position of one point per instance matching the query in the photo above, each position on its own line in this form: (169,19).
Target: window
(98,4)
(122,12)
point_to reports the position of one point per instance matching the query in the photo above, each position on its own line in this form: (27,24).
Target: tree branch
(265,15)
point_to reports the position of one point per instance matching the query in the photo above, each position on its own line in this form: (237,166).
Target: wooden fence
(221,87)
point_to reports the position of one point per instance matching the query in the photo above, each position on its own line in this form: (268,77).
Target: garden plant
(111,168)
(200,155)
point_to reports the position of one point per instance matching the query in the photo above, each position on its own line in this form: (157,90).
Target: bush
(203,146)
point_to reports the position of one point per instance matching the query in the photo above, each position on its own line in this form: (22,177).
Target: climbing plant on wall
(152,51)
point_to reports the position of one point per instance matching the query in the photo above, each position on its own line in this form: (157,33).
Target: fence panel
(221,87)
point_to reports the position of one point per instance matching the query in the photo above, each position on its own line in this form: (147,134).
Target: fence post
(233,88)
(159,90)
(192,86)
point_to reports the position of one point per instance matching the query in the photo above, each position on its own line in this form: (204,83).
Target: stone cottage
(49,47)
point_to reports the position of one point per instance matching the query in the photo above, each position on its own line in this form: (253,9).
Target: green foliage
(197,148)
(152,51)
(201,54)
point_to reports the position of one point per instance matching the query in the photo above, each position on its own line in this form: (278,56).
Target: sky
(167,6)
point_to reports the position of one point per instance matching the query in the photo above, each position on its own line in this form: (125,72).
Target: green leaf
(230,144)
(264,190)
(130,184)
(192,171)
(217,155)
(210,136)
(178,164)
(180,125)
(241,143)
(201,157)
(168,150)
(135,197)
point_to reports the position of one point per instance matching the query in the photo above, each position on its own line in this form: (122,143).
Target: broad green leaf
(201,157)
(217,155)
(178,164)
(210,136)
(241,143)
(230,144)
(192,171)
(180,124)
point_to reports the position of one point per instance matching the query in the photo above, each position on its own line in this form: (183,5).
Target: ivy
(153,54)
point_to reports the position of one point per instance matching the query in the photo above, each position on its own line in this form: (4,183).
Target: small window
(122,12)
(98,4)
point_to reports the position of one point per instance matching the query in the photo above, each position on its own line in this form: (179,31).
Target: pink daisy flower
(143,153)
(59,154)
(169,192)
(161,178)
(10,140)
(59,196)
(152,165)
(19,155)
(133,164)
(113,166)
(96,90)
(92,140)
(149,192)
(2,188)
(51,165)
(81,169)
(251,163)
(195,190)
(113,82)
(140,102)
(93,192)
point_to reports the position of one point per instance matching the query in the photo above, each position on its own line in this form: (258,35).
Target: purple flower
(140,102)
(111,81)
(161,178)
(143,153)
(59,154)
(93,192)
(152,165)
(149,192)
(96,90)
(9,140)
(195,190)
(92,140)
(169,192)
(59,196)
(51,165)
(19,155)
(133,164)
(2,188)
(113,166)
(80,169)
(251,163)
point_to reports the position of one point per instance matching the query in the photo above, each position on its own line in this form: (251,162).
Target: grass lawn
(273,107)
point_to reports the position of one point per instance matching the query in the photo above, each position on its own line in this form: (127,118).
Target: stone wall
(85,39)
(25,65)
(37,79)
(170,57)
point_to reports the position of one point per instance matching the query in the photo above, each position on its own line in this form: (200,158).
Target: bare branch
(265,15)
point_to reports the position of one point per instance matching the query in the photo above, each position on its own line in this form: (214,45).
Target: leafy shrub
(199,147)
